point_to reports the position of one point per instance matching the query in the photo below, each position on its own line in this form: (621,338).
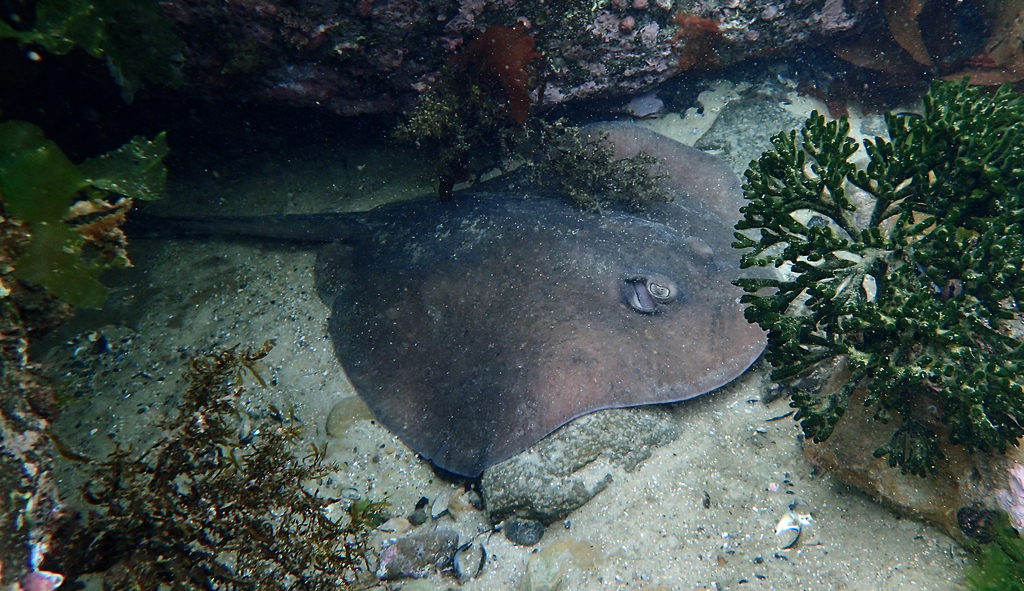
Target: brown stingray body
(474,328)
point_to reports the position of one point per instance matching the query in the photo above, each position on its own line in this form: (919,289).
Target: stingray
(474,328)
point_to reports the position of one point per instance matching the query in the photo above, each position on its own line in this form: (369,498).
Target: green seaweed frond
(41,188)
(909,269)
(133,36)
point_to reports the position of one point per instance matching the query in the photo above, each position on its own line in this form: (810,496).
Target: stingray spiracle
(644,293)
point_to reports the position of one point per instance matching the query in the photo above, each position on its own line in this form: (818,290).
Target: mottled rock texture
(372,56)
(567,468)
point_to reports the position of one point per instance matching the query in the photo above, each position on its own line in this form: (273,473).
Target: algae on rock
(999,563)
(920,294)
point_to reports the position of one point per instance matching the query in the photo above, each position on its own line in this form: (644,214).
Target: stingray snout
(647,293)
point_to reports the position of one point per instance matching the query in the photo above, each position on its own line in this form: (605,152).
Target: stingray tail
(314,228)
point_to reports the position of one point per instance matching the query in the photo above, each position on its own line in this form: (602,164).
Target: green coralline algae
(918,290)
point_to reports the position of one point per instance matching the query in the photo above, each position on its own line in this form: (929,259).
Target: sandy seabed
(700,513)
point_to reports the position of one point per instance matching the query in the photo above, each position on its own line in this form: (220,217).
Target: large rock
(378,55)
(963,479)
(567,468)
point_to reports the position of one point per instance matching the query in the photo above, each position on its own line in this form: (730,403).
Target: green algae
(38,185)
(998,564)
(919,291)
(132,35)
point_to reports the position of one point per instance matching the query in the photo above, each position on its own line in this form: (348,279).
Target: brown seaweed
(202,509)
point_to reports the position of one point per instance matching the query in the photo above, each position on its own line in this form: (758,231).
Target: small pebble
(525,532)
(418,517)
(466,503)
(396,526)
(440,505)
(416,555)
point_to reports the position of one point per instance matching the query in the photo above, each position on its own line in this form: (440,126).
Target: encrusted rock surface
(963,479)
(567,468)
(744,128)
(376,56)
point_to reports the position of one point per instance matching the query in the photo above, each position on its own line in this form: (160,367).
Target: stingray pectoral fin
(334,268)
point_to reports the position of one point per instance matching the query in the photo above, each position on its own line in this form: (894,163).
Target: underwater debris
(198,509)
(919,298)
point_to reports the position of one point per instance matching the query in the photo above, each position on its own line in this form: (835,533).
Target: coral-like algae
(72,242)
(213,504)
(918,289)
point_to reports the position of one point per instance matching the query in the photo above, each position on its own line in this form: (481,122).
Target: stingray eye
(662,289)
(645,293)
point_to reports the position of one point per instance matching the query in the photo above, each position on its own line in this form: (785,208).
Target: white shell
(787,530)
(440,505)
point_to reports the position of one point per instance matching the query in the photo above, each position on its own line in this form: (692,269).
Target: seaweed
(133,36)
(917,289)
(73,225)
(213,504)
(591,176)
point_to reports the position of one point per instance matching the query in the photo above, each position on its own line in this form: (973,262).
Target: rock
(743,130)
(963,479)
(525,532)
(645,105)
(1011,499)
(346,413)
(567,468)
(415,555)
(418,517)
(546,569)
(373,58)
(463,504)
(440,505)
(396,526)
